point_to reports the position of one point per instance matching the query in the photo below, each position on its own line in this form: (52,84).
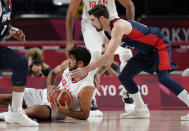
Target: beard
(98,29)
(72,68)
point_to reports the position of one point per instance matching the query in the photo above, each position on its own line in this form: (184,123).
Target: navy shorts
(18,63)
(150,62)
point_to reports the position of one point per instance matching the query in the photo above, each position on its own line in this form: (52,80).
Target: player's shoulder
(87,81)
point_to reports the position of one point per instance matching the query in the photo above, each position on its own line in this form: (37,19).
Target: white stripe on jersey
(1,9)
(110,4)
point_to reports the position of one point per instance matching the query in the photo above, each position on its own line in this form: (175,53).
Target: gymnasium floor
(160,120)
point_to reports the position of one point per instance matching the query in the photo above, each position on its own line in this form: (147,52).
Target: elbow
(85,115)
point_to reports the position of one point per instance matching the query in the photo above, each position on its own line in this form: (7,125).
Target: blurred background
(44,21)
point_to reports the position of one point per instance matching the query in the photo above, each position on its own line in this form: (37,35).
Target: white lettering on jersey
(6,17)
(0,9)
(99,2)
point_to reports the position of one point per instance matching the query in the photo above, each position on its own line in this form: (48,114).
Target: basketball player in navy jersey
(18,63)
(154,55)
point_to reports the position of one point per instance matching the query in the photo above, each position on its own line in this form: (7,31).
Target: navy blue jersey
(153,47)
(5,14)
(142,38)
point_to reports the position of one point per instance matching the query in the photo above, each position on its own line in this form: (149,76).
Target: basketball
(62,96)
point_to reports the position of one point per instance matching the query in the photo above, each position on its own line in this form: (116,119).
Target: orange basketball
(62,96)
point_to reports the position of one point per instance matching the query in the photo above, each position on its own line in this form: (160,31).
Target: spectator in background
(36,64)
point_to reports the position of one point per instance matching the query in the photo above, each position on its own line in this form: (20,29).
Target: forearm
(69,27)
(51,79)
(99,62)
(130,11)
(103,68)
(78,114)
(130,8)
(112,72)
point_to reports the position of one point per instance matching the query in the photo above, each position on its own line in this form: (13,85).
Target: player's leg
(93,41)
(175,87)
(124,55)
(40,112)
(126,78)
(5,99)
(164,78)
(19,65)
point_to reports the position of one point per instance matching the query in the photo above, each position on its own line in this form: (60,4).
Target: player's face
(73,63)
(96,23)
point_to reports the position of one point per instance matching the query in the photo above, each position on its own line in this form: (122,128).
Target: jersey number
(5,26)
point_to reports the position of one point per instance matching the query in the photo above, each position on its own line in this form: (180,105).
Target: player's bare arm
(73,6)
(117,33)
(53,74)
(104,67)
(123,25)
(130,8)
(85,96)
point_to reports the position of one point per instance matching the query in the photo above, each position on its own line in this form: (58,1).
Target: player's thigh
(9,58)
(93,39)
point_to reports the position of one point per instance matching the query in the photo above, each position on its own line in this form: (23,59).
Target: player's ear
(102,18)
(80,63)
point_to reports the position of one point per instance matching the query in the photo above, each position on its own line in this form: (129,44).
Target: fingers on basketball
(62,96)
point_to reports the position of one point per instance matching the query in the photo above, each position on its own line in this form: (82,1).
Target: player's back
(5,13)
(142,38)
(110,4)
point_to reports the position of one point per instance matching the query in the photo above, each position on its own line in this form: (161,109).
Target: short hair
(81,53)
(99,10)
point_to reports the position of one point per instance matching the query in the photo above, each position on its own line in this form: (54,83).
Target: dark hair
(99,10)
(81,53)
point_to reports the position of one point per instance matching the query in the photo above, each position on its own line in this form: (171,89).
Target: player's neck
(107,26)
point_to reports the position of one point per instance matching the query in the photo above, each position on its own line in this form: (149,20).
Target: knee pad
(125,55)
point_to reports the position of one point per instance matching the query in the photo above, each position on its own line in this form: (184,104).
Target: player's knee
(21,63)
(123,78)
(125,57)
(30,112)
(162,79)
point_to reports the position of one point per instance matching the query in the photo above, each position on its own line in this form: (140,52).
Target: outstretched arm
(73,6)
(130,8)
(120,28)
(53,74)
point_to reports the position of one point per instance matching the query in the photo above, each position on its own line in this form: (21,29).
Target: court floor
(160,120)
